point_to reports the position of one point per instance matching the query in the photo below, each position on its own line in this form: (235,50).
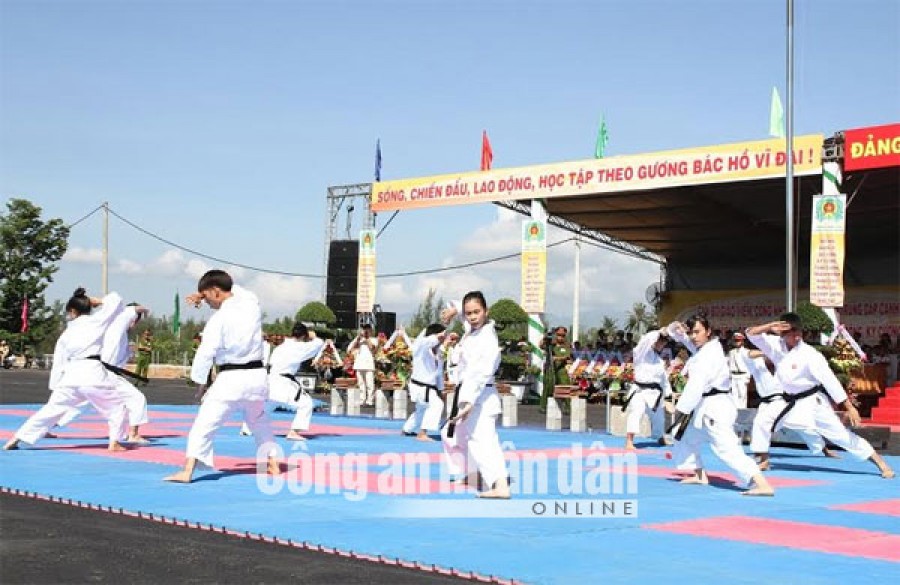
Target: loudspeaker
(346,319)
(343,249)
(343,262)
(341,302)
(385,323)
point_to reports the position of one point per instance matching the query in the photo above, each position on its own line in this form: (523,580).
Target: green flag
(776,116)
(602,139)
(176,317)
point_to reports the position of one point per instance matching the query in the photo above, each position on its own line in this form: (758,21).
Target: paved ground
(832,521)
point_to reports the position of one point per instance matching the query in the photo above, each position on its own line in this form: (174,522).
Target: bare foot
(758,491)
(49,435)
(117,446)
(468,480)
(630,447)
(137,440)
(763,465)
(695,480)
(664,442)
(887,472)
(425,438)
(11,445)
(294,436)
(273,468)
(495,494)
(180,477)
(829,453)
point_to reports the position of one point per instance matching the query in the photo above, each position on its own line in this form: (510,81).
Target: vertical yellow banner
(826,251)
(365,278)
(534,265)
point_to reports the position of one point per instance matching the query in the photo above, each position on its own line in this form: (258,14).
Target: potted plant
(511,322)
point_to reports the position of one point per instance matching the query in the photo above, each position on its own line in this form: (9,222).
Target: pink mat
(838,540)
(883,507)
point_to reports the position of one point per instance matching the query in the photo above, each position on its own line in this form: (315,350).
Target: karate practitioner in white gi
(809,386)
(364,365)
(426,382)
(232,340)
(707,400)
(284,363)
(475,439)
(649,389)
(771,404)
(77,374)
(740,378)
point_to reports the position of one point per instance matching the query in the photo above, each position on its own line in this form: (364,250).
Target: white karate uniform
(768,411)
(233,335)
(286,359)
(364,366)
(475,439)
(427,368)
(649,368)
(800,369)
(713,416)
(740,378)
(75,379)
(115,353)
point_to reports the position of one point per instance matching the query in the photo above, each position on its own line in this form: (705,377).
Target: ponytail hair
(475,295)
(79,303)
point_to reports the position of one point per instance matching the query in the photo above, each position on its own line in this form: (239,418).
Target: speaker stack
(340,288)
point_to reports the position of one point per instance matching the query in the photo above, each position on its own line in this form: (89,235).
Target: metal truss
(599,238)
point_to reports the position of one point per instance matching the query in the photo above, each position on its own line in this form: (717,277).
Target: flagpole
(790,263)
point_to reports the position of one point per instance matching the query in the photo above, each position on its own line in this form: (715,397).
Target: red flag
(24,315)
(487,153)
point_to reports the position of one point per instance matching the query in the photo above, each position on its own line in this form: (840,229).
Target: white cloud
(610,282)
(281,295)
(83,255)
(125,266)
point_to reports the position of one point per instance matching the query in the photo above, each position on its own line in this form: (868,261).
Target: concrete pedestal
(337,402)
(401,397)
(554,415)
(510,410)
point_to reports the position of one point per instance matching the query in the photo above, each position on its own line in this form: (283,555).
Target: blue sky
(219,125)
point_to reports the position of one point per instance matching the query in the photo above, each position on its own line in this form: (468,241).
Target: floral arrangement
(400,357)
(328,360)
(676,378)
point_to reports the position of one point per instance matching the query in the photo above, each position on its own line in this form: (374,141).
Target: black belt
(254,365)
(118,370)
(682,420)
(454,410)
(771,398)
(643,386)
(792,399)
(428,388)
(738,373)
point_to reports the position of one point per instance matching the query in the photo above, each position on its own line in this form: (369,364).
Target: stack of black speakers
(340,289)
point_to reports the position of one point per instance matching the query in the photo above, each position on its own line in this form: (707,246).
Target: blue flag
(378,160)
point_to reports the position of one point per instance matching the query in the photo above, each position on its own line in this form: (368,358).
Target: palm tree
(609,326)
(638,320)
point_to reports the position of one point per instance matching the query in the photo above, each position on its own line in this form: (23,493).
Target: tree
(609,326)
(511,322)
(814,318)
(429,312)
(29,251)
(638,320)
(316,313)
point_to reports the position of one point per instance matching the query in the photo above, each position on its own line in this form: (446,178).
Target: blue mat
(520,539)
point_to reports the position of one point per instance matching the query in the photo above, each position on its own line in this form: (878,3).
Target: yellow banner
(534,265)
(365,277)
(762,159)
(826,254)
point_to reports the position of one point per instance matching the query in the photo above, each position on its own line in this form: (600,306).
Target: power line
(303,275)
(98,208)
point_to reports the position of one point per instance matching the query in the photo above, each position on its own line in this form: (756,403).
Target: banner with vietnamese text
(365,278)
(872,147)
(534,265)
(826,251)
(763,159)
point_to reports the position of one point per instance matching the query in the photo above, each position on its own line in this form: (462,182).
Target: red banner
(874,147)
